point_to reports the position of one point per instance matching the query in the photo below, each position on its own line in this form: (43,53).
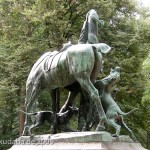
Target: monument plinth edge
(76,141)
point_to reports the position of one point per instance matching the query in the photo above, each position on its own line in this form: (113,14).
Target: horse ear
(87,15)
(104,48)
(111,71)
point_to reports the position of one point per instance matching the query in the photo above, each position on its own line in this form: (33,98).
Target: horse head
(102,48)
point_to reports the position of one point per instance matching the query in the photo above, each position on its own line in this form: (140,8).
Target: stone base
(76,141)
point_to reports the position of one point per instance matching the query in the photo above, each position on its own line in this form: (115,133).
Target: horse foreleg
(54,109)
(57,100)
(89,113)
(83,110)
(31,94)
(87,85)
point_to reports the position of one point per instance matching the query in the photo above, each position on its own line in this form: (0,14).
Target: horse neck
(92,26)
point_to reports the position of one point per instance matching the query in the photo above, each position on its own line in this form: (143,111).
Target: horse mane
(41,59)
(84,33)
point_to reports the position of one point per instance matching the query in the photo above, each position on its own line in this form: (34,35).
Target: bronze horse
(79,63)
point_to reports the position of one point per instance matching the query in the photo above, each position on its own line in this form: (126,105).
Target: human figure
(89,30)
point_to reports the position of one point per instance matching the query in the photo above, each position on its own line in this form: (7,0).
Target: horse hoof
(25,133)
(100,128)
(53,131)
(32,135)
(85,129)
(115,135)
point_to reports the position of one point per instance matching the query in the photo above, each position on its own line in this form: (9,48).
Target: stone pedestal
(76,141)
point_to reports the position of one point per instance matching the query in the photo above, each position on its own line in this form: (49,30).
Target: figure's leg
(87,85)
(92,38)
(69,101)
(129,130)
(31,94)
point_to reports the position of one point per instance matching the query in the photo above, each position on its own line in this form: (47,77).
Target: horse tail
(124,114)
(28,113)
(97,64)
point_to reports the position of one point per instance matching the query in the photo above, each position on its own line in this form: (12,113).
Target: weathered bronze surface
(79,63)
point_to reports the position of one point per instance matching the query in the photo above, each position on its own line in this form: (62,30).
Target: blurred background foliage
(29,28)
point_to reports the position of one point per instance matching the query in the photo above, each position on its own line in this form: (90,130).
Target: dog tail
(124,114)
(28,113)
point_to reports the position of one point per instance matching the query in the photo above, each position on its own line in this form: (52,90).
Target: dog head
(115,73)
(108,82)
(67,115)
(112,78)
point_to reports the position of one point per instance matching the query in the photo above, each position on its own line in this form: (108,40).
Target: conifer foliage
(28,28)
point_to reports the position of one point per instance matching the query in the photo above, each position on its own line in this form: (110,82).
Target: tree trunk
(21,115)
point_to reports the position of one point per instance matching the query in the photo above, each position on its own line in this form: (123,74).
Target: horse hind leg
(87,85)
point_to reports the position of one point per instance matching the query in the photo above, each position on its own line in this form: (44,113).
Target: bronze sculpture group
(76,66)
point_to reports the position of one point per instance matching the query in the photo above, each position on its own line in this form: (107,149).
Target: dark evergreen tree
(31,27)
